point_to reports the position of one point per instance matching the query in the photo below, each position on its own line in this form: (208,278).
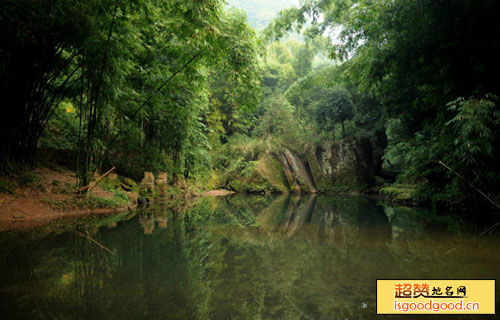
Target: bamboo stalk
(473,186)
(91,185)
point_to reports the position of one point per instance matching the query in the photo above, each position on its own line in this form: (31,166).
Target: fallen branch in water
(86,236)
(92,185)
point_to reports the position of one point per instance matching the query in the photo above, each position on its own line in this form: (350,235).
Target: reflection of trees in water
(307,258)
(323,245)
(155,275)
(22,285)
(285,269)
(215,262)
(320,219)
(93,277)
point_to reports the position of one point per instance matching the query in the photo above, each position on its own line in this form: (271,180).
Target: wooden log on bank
(91,185)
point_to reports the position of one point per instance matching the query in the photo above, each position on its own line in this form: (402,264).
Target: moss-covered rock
(129,182)
(262,176)
(272,171)
(347,163)
(126,187)
(314,159)
(108,183)
(400,193)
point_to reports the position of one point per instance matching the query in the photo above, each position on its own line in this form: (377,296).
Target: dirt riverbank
(49,194)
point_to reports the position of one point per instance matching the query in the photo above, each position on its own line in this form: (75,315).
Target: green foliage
(119,200)
(62,129)
(146,86)
(235,79)
(232,158)
(39,42)
(302,60)
(7,186)
(278,119)
(399,192)
(91,202)
(414,57)
(476,125)
(397,145)
(28,178)
(177,86)
(285,63)
(336,107)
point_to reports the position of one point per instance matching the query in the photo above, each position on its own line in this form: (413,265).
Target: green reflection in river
(237,258)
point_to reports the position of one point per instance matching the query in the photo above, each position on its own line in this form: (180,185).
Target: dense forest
(190,88)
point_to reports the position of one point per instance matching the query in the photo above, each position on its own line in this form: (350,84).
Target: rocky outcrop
(263,176)
(297,172)
(345,163)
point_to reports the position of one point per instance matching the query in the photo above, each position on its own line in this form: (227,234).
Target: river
(236,258)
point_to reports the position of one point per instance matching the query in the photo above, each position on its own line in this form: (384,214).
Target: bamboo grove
(133,76)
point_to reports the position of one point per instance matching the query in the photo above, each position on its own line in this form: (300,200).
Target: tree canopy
(167,85)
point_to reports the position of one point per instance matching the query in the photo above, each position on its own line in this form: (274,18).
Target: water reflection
(238,258)
(148,216)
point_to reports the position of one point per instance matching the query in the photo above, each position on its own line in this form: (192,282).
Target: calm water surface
(238,258)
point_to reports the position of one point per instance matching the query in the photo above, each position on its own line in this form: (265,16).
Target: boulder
(262,176)
(129,182)
(272,171)
(126,187)
(217,193)
(344,163)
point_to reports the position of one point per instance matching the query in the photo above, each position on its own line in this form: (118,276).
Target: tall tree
(336,107)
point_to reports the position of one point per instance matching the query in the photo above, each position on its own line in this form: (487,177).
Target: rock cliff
(346,164)
(343,165)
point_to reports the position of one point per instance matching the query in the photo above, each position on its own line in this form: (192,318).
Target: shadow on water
(235,258)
